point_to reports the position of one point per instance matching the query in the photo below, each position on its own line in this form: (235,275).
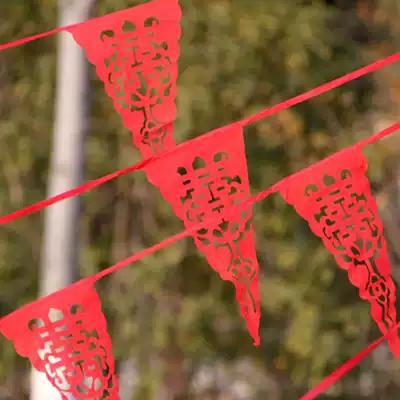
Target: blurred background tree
(175,326)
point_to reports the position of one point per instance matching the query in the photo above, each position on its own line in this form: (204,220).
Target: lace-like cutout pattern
(135,52)
(65,336)
(334,196)
(206,179)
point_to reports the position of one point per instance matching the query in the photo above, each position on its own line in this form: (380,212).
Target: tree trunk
(60,240)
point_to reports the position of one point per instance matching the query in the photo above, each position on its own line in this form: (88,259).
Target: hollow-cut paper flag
(202,181)
(334,197)
(64,335)
(135,52)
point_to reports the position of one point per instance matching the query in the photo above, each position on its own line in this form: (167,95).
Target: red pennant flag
(204,180)
(334,197)
(135,52)
(64,335)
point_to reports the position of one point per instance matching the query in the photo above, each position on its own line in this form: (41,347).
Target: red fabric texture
(64,335)
(203,182)
(334,197)
(135,52)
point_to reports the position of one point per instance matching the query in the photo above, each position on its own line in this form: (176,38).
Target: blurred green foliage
(237,57)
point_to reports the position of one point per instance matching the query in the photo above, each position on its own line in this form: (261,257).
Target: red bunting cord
(345,368)
(142,164)
(42,35)
(73,192)
(265,113)
(322,89)
(187,232)
(28,39)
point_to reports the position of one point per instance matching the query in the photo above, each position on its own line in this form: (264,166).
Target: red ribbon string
(70,193)
(42,35)
(187,232)
(322,89)
(345,368)
(28,39)
(97,182)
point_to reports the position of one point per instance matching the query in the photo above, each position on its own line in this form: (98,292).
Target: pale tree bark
(61,239)
(134,370)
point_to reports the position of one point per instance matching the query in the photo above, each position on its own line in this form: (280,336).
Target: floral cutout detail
(135,52)
(334,197)
(64,335)
(204,181)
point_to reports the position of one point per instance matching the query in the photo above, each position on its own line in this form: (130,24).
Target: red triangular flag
(64,335)
(135,52)
(205,179)
(334,197)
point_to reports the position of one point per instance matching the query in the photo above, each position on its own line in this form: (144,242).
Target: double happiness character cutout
(135,52)
(64,335)
(334,197)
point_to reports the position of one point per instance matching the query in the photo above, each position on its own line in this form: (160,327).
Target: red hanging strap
(326,87)
(345,368)
(341,371)
(182,147)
